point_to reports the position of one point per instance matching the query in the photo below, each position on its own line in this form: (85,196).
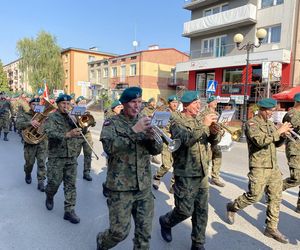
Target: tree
(41,60)
(3,80)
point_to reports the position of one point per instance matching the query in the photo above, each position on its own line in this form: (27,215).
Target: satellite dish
(135,43)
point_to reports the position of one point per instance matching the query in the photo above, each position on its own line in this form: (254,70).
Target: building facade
(214,55)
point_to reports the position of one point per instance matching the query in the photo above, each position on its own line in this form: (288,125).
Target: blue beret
(34,100)
(190,96)
(130,94)
(172,98)
(211,99)
(297,97)
(267,103)
(79,99)
(63,97)
(115,104)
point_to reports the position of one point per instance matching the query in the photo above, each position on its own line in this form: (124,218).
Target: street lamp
(238,39)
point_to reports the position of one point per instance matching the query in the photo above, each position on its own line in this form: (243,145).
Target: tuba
(34,135)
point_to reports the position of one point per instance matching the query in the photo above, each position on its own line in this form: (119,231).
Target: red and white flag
(45,94)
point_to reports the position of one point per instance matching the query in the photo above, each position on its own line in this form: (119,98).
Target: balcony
(195,4)
(237,17)
(217,51)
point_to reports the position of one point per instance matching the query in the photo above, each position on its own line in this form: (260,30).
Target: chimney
(153,47)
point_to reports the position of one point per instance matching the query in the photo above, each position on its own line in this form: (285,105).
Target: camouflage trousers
(191,199)
(38,152)
(216,157)
(294,179)
(87,152)
(263,180)
(4,124)
(167,161)
(121,206)
(62,170)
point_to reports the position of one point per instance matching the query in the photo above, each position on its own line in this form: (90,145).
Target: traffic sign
(40,91)
(211,86)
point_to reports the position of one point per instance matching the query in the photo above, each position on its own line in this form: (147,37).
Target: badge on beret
(106,123)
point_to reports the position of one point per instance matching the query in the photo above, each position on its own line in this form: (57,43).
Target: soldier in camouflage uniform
(5,114)
(62,157)
(215,150)
(292,149)
(115,109)
(166,156)
(128,141)
(33,151)
(264,176)
(14,105)
(81,143)
(190,169)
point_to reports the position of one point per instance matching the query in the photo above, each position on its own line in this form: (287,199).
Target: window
(114,72)
(123,73)
(66,58)
(273,34)
(232,75)
(92,76)
(133,70)
(105,72)
(66,73)
(99,75)
(91,58)
(216,9)
(269,3)
(215,46)
(113,61)
(133,58)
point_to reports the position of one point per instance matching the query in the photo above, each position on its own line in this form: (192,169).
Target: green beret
(72,95)
(152,99)
(297,97)
(211,99)
(34,100)
(172,98)
(267,103)
(63,97)
(115,104)
(130,94)
(79,99)
(190,96)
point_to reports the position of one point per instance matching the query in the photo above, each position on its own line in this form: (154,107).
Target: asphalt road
(25,223)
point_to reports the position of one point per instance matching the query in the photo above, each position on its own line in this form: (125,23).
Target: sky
(110,25)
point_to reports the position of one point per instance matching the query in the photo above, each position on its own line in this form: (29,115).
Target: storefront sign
(223,99)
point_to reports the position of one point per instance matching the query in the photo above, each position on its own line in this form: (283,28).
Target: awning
(287,95)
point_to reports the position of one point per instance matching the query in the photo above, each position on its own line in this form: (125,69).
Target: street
(26,224)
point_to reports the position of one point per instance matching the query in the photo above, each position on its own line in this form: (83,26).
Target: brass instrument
(85,121)
(235,135)
(34,135)
(290,136)
(159,135)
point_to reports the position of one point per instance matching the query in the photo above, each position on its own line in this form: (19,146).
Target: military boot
(72,217)
(49,202)
(99,247)
(217,182)
(28,178)
(156,182)
(276,235)
(87,177)
(0,132)
(297,210)
(5,137)
(199,247)
(171,189)
(165,230)
(230,213)
(105,190)
(41,186)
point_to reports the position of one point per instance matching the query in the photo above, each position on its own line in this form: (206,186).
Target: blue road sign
(40,91)
(211,86)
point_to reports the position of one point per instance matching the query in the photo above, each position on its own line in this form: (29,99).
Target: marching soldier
(292,149)
(128,141)
(62,158)
(215,150)
(33,151)
(190,170)
(166,156)
(87,151)
(150,108)
(264,176)
(5,113)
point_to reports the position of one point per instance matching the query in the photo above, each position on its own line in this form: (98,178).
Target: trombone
(159,135)
(235,135)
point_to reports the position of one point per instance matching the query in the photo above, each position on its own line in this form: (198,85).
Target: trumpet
(159,135)
(235,135)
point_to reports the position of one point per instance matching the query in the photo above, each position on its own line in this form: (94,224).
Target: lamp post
(238,39)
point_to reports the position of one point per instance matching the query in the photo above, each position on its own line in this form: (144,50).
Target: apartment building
(76,68)
(152,69)
(214,56)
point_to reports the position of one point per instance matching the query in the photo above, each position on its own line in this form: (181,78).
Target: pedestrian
(190,169)
(128,141)
(62,158)
(5,114)
(264,175)
(292,149)
(33,151)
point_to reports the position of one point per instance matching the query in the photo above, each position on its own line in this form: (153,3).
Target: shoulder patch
(251,123)
(107,122)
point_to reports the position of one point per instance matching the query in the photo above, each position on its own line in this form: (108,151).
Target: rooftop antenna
(135,43)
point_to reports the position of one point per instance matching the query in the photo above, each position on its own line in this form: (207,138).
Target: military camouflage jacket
(191,159)
(293,116)
(128,154)
(23,119)
(109,114)
(5,109)
(56,126)
(262,138)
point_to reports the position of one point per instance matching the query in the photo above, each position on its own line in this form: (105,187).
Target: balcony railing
(218,51)
(193,4)
(227,19)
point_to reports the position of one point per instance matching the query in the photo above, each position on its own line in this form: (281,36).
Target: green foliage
(4,87)
(41,60)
